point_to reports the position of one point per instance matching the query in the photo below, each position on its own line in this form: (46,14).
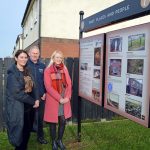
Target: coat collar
(31,62)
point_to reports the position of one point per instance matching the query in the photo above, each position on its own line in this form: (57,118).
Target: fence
(89,110)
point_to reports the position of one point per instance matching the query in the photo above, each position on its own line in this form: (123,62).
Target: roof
(18,37)
(25,13)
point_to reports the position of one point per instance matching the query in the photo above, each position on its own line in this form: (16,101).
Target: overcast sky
(11,14)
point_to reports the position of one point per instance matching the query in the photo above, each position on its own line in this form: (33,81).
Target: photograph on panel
(135,66)
(134,86)
(136,42)
(116,44)
(96,73)
(115,67)
(95,94)
(96,90)
(133,107)
(84,66)
(97,56)
(113,100)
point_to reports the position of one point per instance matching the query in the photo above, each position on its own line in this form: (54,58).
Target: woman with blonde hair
(58,94)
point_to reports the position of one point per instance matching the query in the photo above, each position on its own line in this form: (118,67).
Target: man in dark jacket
(37,69)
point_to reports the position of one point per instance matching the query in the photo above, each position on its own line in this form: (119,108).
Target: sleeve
(17,91)
(43,78)
(69,87)
(48,85)
(35,91)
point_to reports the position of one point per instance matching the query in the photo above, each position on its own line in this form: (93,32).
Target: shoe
(54,145)
(41,140)
(61,145)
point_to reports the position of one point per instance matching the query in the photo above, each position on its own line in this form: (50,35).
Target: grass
(113,135)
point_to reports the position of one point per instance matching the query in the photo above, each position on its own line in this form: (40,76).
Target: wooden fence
(88,110)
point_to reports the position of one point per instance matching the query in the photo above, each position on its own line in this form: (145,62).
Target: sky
(11,15)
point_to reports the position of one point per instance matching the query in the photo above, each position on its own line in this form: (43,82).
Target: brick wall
(69,47)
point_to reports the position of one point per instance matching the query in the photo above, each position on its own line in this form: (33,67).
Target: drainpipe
(19,41)
(40,9)
(22,37)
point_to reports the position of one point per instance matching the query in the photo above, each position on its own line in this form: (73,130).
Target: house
(19,43)
(54,25)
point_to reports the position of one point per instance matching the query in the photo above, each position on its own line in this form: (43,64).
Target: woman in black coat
(19,102)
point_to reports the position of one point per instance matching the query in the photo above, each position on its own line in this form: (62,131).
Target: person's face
(22,59)
(97,55)
(34,55)
(58,59)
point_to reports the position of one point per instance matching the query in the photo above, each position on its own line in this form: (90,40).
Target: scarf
(58,78)
(28,84)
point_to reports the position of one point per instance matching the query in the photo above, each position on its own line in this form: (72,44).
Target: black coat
(14,106)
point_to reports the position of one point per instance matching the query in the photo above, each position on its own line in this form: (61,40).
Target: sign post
(79,98)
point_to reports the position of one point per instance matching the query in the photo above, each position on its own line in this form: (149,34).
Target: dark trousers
(39,118)
(28,124)
(61,128)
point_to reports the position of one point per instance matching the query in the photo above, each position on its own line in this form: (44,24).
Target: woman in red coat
(58,94)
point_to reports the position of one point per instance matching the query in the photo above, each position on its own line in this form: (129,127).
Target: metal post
(79,98)
(103,84)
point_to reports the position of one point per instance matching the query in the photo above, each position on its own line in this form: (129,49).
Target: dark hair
(20,52)
(26,71)
(97,50)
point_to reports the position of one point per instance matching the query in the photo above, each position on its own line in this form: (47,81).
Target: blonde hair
(53,55)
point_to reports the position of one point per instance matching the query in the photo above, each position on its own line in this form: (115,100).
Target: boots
(61,129)
(54,145)
(53,136)
(61,145)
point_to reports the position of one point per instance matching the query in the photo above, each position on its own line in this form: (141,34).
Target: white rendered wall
(19,43)
(31,26)
(60,18)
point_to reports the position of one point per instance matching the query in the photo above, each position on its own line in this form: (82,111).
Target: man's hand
(43,97)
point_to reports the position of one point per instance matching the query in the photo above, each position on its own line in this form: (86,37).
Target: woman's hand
(64,100)
(36,105)
(61,101)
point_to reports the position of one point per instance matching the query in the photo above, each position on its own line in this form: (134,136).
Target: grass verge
(112,135)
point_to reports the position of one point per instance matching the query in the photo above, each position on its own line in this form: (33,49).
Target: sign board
(90,68)
(127,80)
(128,9)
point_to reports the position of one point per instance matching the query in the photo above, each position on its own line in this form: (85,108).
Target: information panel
(127,84)
(125,10)
(90,68)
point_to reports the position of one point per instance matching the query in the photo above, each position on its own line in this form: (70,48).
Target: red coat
(53,98)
